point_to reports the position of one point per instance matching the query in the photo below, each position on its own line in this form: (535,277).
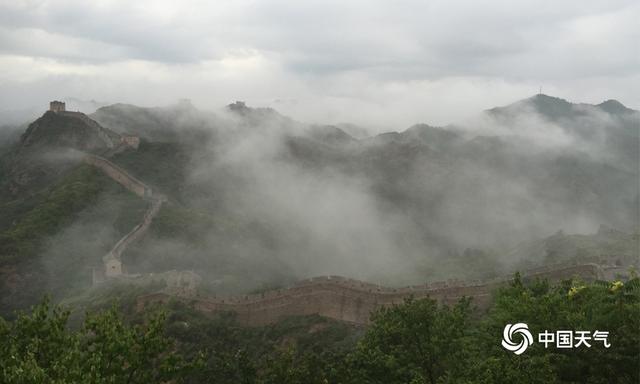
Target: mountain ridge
(556,107)
(257,198)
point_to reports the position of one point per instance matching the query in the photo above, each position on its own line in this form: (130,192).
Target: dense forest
(418,341)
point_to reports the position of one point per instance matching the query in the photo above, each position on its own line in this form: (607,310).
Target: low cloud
(387,65)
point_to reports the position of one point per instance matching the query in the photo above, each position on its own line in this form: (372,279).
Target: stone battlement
(112,140)
(352,301)
(112,260)
(119,175)
(57,106)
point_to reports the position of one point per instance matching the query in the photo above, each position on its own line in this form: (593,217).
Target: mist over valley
(256,199)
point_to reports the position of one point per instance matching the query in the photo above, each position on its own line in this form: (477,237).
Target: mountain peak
(239,107)
(550,106)
(68,129)
(555,108)
(614,106)
(256,116)
(542,98)
(242,109)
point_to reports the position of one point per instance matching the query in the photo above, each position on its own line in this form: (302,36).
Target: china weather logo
(511,330)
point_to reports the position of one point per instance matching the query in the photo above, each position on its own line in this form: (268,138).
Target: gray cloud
(372,62)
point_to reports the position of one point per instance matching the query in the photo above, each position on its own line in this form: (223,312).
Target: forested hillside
(256,199)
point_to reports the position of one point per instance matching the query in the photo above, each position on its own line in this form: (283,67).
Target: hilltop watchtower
(57,106)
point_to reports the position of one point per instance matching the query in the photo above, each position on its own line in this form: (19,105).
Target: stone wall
(353,301)
(112,266)
(137,231)
(57,106)
(120,175)
(113,259)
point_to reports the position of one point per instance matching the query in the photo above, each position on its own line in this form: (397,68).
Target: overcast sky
(381,63)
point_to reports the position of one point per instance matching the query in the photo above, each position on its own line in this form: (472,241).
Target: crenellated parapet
(119,175)
(112,261)
(353,301)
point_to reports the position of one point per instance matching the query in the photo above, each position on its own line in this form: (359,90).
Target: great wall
(334,297)
(353,301)
(113,259)
(114,142)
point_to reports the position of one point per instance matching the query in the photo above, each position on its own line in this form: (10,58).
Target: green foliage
(100,298)
(177,222)
(418,341)
(573,305)
(51,240)
(37,348)
(297,349)
(59,207)
(289,366)
(160,164)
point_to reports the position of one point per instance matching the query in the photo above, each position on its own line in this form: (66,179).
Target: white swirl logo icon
(513,329)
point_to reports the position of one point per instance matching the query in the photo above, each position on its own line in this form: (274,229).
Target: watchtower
(57,106)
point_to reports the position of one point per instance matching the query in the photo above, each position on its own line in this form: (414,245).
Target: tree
(418,341)
(37,348)
(571,305)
